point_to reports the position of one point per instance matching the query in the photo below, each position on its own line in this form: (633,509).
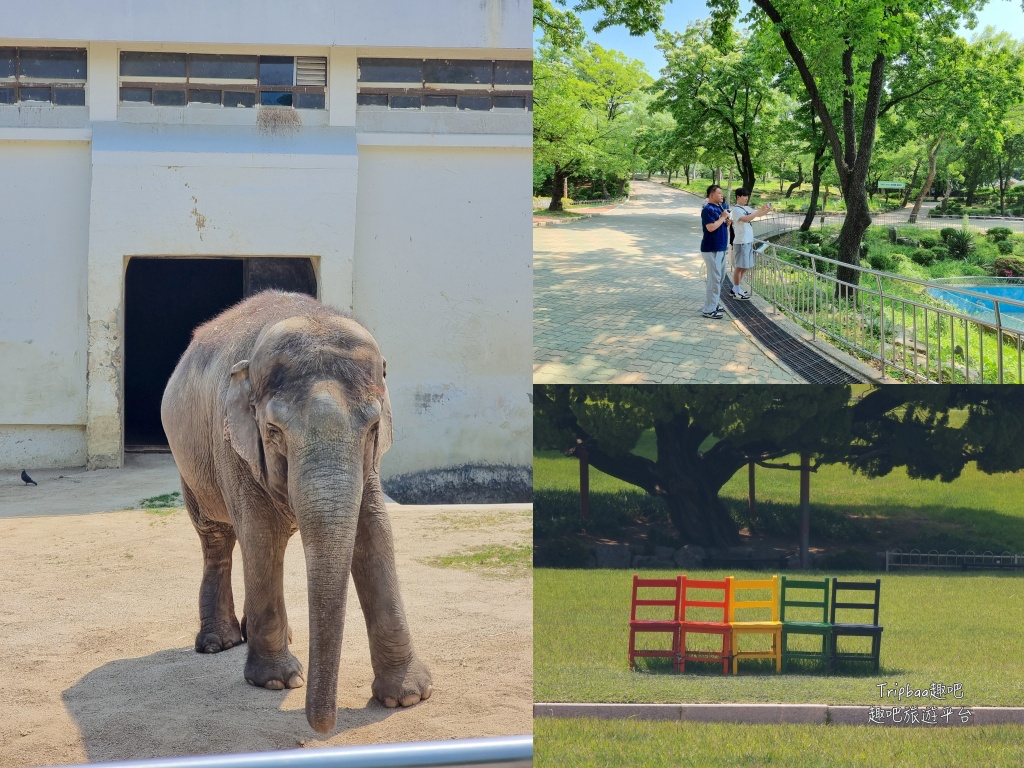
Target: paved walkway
(617,299)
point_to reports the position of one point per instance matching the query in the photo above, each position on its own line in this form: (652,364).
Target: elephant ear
(384,430)
(239,425)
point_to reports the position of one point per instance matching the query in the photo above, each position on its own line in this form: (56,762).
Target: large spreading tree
(705,434)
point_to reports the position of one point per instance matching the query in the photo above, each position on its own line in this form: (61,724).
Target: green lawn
(939,628)
(586,743)
(977,511)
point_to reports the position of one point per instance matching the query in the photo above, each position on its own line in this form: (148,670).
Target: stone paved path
(617,299)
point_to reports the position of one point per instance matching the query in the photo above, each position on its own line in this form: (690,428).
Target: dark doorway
(165,300)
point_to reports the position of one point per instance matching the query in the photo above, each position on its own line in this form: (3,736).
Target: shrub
(941,251)
(923,256)
(830,252)
(944,233)
(999,234)
(1013,265)
(883,262)
(960,243)
(813,237)
(1005,247)
(928,242)
(812,248)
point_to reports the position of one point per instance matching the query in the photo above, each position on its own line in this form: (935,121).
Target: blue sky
(1005,15)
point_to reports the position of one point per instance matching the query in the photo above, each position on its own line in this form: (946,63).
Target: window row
(179,79)
(428,102)
(439,84)
(58,76)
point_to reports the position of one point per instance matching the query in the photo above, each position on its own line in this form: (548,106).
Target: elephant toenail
(274,685)
(296,681)
(390,703)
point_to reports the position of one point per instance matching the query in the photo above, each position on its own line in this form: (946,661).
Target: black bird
(26,479)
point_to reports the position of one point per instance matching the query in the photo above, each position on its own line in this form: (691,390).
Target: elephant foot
(217,637)
(404,686)
(281,672)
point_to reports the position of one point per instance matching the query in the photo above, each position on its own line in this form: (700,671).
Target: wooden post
(584,456)
(805,510)
(751,500)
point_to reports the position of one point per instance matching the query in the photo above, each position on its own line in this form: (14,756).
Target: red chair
(704,627)
(661,595)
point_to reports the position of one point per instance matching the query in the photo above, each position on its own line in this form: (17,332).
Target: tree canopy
(704,434)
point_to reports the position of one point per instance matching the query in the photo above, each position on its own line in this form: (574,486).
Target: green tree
(725,100)
(580,99)
(843,51)
(705,434)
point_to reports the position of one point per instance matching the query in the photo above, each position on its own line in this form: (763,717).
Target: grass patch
(490,559)
(476,522)
(546,214)
(939,628)
(166,501)
(589,743)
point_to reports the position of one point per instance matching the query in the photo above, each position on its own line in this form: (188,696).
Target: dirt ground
(98,612)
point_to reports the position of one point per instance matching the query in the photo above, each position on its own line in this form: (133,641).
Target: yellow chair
(740,628)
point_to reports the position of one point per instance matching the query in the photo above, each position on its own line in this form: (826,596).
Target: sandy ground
(98,612)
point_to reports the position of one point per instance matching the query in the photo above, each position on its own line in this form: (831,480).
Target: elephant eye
(273,432)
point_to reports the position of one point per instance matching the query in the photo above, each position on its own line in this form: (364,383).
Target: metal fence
(497,752)
(951,561)
(891,320)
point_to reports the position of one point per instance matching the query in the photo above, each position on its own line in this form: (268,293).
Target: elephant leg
(269,664)
(400,678)
(218,628)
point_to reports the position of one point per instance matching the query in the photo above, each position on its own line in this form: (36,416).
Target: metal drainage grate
(804,361)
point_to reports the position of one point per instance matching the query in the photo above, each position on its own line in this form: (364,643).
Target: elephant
(277,416)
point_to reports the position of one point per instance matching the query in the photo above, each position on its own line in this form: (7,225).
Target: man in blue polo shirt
(715,220)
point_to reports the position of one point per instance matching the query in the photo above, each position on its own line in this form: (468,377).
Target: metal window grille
(43,76)
(179,79)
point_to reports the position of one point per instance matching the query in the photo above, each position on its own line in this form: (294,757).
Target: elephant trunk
(327,517)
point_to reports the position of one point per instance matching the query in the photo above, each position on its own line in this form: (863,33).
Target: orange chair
(666,605)
(688,626)
(771,626)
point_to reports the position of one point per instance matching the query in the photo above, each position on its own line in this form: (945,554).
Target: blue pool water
(974,305)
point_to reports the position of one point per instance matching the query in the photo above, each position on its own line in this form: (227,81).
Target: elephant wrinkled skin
(277,416)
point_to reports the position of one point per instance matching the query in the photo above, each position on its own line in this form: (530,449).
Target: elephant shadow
(178,702)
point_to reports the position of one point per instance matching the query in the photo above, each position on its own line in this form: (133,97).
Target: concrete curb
(761,714)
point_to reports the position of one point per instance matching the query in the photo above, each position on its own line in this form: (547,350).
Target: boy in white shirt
(743,245)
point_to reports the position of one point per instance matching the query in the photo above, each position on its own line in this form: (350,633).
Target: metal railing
(892,320)
(889,319)
(951,561)
(497,752)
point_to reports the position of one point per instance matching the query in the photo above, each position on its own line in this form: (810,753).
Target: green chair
(803,614)
(872,630)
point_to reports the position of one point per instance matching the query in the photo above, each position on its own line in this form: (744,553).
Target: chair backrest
(875,587)
(737,603)
(659,594)
(787,601)
(689,585)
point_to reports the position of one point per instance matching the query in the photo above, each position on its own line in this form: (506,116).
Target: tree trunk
(799,180)
(858,219)
(949,191)
(910,187)
(1002,188)
(933,153)
(816,171)
(561,176)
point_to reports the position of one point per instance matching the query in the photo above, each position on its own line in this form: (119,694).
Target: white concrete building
(159,161)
